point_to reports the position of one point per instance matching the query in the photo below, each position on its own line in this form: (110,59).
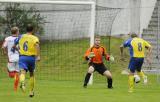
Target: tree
(19,15)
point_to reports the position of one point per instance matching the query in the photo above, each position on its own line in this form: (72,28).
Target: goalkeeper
(94,56)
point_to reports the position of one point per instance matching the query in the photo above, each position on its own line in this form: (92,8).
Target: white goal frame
(92,20)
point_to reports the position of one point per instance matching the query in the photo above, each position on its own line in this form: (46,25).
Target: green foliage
(20,15)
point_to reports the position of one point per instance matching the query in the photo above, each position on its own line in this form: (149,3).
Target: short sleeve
(147,44)
(104,51)
(127,43)
(36,40)
(16,41)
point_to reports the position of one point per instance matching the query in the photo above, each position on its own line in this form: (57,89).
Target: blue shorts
(135,64)
(27,63)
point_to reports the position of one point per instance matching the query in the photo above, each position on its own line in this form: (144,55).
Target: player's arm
(105,54)
(16,42)
(86,56)
(124,45)
(149,51)
(4,47)
(38,51)
(121,51)
(89,55)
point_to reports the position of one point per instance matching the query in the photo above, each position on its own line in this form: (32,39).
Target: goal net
(66,30)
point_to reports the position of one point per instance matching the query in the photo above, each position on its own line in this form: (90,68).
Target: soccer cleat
(31,94)
(145,80)
(110,87)
(85,85)
(22,86)
(130,90)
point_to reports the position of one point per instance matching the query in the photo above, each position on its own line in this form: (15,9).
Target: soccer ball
(137,79)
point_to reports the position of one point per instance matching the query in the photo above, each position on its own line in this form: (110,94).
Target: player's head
(15,30)
(97,41)
(133,35)
(29,28)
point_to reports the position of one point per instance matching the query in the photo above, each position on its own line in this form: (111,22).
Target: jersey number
(139,46)
(25,46)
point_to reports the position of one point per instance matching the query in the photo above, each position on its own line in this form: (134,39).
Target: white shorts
(13,57)
(13,66)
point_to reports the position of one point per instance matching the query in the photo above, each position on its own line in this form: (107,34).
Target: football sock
(22,78)
(32,82)
(141,74)
(16,81)
(87,77)
(109,80)
(131,82)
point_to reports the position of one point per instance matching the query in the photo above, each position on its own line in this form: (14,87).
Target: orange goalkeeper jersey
(98,52)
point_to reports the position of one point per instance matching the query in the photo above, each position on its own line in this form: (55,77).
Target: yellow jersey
(136,47)
(27,45)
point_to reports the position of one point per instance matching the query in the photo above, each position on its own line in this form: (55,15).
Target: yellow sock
(22,78)
(141,74)
(32,83)
(131,82)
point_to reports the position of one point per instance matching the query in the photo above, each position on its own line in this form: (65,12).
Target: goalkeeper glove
(91,55)
(109,58)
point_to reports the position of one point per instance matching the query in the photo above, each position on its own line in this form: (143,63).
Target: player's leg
(140,72)
(13,73)
(103,71)
(32,76)
(16,81)
(11,70)
(22,79)
(23,66)
(88,75)
(143,76)
(131,81)
(132,68)
(32,84)
(16,77)
(109,78)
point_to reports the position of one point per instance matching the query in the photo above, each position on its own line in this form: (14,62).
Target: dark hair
(133,35)
(29,28)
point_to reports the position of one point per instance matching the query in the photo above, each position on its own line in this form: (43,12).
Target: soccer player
(137,48)
(94,56)
(13,56)
(29,52)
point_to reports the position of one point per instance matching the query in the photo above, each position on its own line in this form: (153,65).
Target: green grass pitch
(72,91)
